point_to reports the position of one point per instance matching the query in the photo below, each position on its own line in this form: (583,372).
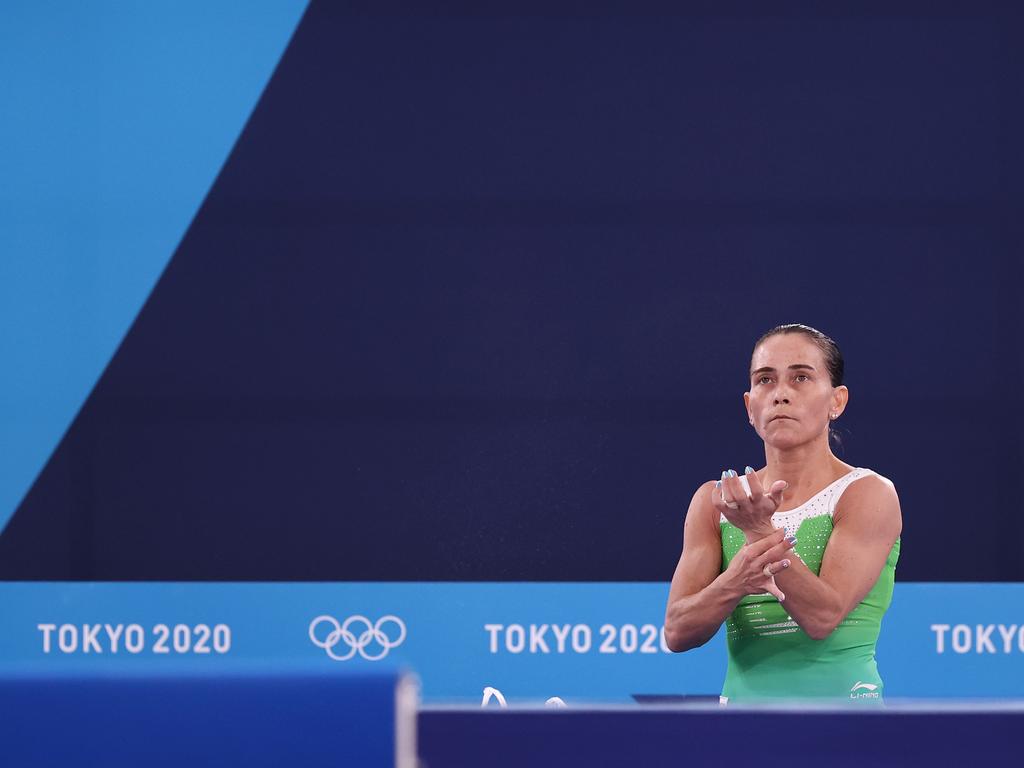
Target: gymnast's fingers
(773,568)
(729,495)
(753,482)
(758,548)
(776,491)
(773,588)
(716,498)
(776,551)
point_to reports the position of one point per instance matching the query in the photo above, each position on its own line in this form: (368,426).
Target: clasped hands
(755,565)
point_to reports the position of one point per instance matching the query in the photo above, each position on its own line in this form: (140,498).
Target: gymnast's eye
(763,379)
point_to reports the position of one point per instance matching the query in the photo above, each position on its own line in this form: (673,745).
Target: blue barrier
(230,718)
(699,736)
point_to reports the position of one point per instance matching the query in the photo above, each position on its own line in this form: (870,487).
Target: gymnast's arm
(701,597)
(867,522)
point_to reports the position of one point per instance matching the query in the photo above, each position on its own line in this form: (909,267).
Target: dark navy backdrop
(474,296)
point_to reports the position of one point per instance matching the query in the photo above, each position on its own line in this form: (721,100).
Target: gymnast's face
(791,395)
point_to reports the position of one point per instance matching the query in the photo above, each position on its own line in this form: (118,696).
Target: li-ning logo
(864,691)
(369,640)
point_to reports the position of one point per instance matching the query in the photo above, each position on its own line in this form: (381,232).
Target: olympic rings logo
(366,635)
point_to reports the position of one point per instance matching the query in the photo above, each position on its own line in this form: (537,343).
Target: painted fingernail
(748,470)
(791,539)
(718,484)
(732,473)
(785,563)
(725,473)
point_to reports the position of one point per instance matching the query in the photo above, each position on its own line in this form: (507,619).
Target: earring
(833,416)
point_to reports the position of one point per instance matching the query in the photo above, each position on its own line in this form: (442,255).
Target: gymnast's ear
(840,397)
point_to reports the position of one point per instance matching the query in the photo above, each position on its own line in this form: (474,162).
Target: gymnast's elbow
(821,627)
(674,642)
(678,642)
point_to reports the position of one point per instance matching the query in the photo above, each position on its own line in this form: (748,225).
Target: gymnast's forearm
(694,619)
(810,601)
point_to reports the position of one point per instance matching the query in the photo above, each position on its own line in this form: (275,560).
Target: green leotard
(771,657)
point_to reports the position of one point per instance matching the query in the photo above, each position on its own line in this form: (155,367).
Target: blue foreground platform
(899,735)
(259,719)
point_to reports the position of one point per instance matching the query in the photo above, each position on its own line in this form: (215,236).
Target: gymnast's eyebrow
(795,367)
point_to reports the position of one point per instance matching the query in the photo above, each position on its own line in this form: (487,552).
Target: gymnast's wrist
(756,534)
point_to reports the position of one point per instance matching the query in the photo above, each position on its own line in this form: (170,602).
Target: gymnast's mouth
(775,418)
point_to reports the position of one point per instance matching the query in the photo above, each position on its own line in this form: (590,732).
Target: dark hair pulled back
(829,349)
